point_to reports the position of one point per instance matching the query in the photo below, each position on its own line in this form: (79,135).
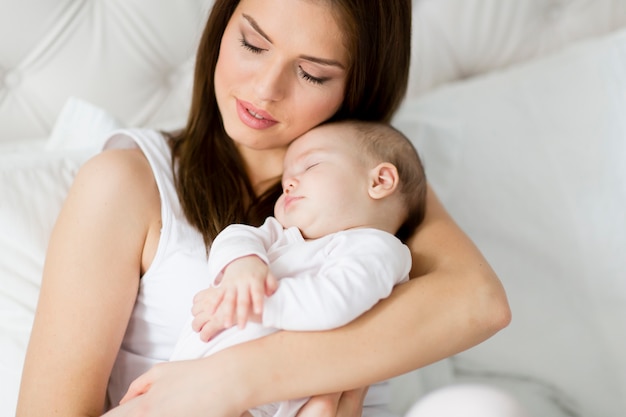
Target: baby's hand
(244,284)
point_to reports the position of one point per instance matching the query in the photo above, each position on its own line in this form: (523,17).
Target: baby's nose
(288,185)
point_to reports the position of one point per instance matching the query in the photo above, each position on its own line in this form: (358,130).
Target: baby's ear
(384,180)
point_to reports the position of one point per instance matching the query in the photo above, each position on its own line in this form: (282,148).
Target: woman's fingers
(139,386)
(351,403)
(170,387)
(344,404)
(321,406)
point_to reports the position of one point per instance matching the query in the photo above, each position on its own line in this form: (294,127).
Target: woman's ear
(384,180)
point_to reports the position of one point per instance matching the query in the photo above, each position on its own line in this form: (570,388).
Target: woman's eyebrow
(321,61)
(256,27)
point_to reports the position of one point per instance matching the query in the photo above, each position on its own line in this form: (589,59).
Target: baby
(352,191)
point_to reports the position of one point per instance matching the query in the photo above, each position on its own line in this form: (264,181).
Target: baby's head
(352,174)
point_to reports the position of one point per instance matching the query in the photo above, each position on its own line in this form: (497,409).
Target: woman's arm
(89,287)
(454,302)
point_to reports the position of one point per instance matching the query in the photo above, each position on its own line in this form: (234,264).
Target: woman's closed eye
(250,47)
(308,77)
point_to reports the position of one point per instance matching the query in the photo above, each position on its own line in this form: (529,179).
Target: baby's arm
(360,268)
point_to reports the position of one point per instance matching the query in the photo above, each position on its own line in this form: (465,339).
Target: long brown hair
(212,184)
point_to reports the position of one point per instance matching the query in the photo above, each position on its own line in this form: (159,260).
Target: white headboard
(457,39)
(134,58)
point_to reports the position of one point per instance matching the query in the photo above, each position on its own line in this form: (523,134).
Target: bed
(517,107)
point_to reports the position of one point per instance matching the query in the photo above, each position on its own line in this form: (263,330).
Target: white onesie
(323,284)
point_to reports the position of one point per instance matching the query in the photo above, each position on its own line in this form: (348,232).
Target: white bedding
(531,161)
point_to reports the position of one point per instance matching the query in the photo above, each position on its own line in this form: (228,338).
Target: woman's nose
(271,81)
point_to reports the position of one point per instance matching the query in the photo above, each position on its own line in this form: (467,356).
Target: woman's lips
(253,117)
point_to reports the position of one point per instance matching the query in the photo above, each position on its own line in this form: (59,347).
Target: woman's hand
(173,386)
(345,404)
(170,387)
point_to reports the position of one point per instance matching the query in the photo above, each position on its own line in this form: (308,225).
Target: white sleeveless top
(179,270)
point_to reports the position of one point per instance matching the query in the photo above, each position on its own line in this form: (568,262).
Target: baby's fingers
(227,308)
(258,296)
(210,329)
(200,319)
(258,291)
(207,300)
(243,306)
(271,284)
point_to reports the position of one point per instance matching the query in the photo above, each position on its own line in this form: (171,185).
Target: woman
(114,296)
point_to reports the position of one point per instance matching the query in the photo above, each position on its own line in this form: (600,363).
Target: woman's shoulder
(123,174)
(128,165)
(113,199)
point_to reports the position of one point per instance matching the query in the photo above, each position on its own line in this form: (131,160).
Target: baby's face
(325,182)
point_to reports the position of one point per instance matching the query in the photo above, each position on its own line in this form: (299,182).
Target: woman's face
(281,70)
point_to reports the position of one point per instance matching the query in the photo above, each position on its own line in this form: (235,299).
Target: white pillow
(532,164)
(81,125)
(34,183)
(33,187)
